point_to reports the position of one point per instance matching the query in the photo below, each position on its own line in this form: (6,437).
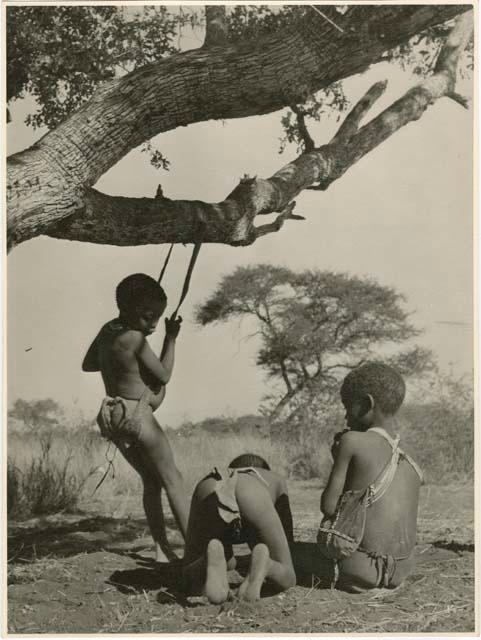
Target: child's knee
(287,579)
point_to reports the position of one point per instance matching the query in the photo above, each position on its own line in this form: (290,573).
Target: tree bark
(215,26)
(49,186)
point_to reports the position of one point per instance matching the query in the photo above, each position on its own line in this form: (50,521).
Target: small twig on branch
(303,132)
(351,123)
(457,97)
(272,227)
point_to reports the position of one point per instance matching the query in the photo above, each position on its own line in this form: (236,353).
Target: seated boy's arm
(337,479)
(91,360)
(150,361)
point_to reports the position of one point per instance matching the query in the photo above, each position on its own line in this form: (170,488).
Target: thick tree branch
(49,185)
(215,26)
(415,102)
(127,221)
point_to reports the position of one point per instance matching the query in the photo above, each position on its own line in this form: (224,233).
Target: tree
(38,415)
(315,326)
(245,67)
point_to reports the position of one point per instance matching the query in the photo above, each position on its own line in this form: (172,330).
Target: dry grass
(51,470)
(44,481)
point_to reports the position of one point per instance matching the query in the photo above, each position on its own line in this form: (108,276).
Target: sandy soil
(88,573)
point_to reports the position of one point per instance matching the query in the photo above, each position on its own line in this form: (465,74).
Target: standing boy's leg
(157,454)
(152,501)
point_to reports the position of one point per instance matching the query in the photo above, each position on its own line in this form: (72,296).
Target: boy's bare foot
(216,585)
(250,589)
(165,554)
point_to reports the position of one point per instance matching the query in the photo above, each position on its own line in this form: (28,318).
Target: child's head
(141,301)
(249,460)
(372,385)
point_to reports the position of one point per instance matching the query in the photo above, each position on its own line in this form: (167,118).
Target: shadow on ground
(165,578)
(457,547)
(75,534)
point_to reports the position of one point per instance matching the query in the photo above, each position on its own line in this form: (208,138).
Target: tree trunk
(49,186)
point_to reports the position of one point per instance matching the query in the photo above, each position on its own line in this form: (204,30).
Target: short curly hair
(249,460)
(384,383)
(136,289)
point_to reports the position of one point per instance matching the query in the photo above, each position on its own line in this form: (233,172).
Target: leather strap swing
(188,275)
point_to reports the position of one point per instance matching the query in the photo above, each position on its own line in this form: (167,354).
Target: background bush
(53,468)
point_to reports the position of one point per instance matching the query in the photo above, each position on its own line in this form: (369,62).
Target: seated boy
(245,503)
(135,379)
(368,454)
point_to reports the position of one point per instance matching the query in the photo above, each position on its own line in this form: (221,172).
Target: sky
(402,215)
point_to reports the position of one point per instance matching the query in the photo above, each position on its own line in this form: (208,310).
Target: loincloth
(121,423)
(228,509)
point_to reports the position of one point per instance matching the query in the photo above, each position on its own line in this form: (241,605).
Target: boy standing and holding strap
(135,379)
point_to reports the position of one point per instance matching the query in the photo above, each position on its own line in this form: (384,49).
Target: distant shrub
(45,482)
(307,438)
(440,433)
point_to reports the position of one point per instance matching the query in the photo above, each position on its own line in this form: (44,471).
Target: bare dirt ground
(88,573)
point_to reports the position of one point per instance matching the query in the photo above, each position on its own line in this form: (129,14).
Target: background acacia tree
(107,81)
(314,326)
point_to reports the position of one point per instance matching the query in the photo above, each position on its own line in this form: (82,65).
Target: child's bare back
(367,457)
(391,521)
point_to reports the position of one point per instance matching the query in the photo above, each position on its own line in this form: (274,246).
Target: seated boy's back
(368,457)
(391,520)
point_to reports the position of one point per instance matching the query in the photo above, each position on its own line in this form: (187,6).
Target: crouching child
(245,503)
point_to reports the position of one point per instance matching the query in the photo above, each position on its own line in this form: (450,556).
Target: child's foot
(165,554)
(250,589)
(216,585)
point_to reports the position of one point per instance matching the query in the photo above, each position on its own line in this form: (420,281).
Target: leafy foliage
(61,54)
(324,103)
(255,21)
(314,326)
